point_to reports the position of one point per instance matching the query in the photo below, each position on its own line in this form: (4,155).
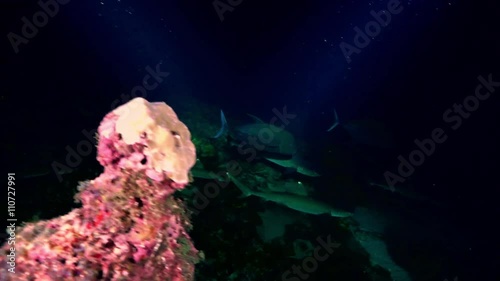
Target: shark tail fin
(243,188)
(256,119)
(384,187)
(223,127)
(336,123)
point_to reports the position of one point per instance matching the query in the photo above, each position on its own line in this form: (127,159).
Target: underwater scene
(249,140)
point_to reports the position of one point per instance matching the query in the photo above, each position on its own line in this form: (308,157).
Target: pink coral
(129,226)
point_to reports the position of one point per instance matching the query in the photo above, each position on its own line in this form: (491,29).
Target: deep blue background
(266,55)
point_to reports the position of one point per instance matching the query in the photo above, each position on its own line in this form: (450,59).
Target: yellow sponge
(168,141)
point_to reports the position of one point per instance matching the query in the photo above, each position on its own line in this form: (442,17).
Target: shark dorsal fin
(223,127)
(336,123)
(256,119)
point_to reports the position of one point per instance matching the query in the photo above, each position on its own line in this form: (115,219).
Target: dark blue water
(264,56)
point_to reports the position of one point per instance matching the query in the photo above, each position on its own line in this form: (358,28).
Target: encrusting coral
(129,226)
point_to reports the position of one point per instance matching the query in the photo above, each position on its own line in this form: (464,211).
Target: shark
(299,203)
(364,132)
(406,193)
(43,171)
(204,174)
(273,140)
(336,121)
(223,127)
(33,162)
(294,164)
(281,148)
(198,171)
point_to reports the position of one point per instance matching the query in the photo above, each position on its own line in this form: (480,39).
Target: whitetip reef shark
(294,164)
(296,202)
(282,149)
(365,132)
(282,143)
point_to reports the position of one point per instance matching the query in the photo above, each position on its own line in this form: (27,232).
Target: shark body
(296,202)
(294,164)
(269,138)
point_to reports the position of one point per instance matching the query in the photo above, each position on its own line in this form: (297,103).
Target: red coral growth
(128,228)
